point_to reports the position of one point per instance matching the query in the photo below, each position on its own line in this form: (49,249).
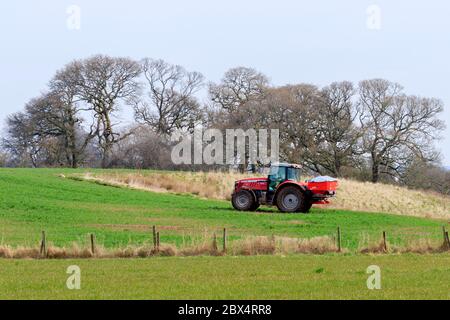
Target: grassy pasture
(68,210)
(256,277)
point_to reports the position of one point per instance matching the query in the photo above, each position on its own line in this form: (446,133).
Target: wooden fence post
(92,243)
(154,237)
(43,250)
(443,236)
(215,242)
(445,244)
(339,239)
(157,240)
(447,239)
(224,239)
(384,242)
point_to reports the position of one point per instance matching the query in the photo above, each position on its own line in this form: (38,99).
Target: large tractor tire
(291,199)
(307,206)
(244,201)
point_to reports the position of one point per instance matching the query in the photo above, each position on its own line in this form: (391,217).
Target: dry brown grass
(204,245)
(210,185)
(317,245)
(377,247)
(284,245)
(423,246)
(366,196)
(255,246)
(418,246)
(351,195)
(78,252)
(250,246)
(18,253)
(199,250)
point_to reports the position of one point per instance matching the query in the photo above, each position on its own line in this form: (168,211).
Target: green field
(32,200)
(256,277)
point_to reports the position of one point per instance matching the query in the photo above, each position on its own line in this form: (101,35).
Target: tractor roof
(285,164)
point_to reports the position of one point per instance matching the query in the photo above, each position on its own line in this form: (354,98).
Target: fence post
(157,241)
(443,236)
(339,239)
(224,240)
(154,237)
(445,244)
(215,242)
(447,239)
(43,250)
(92,243)
(384,242)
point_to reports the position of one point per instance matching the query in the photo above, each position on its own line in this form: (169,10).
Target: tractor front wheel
(291,199)
(255,206)
(244,201)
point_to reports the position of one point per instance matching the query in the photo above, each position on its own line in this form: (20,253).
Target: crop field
(256,277)
(69,209)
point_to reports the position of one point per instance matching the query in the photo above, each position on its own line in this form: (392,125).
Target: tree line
(371,131)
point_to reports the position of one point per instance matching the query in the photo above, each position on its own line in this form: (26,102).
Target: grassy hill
(352,195)
(68,210)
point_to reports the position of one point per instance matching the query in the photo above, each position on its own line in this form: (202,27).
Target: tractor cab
(282,172)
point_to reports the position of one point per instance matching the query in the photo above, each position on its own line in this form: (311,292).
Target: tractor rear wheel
(243,201)
(306,207)
(291,199)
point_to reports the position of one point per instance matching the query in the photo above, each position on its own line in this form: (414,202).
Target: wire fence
(217,242)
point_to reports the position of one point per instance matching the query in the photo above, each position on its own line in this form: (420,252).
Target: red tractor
(284,189)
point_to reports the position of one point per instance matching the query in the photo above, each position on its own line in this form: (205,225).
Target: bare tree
(52,117)
(337,136)
(142,150)
(426,175)
(43,131)
(65,112)
(171,102)
(396,126)
(4,158)
(103,82)
(292,110)
(299,140)
(238,86)
(20,141)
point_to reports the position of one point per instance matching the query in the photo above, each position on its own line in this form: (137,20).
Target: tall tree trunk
(74,161)
(375,171)
(105,138)
(71,140)
(105,156)
(73,151)
(33,161)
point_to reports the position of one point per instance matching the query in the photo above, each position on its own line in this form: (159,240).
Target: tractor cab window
(276,176)
(277,173)
(293,174)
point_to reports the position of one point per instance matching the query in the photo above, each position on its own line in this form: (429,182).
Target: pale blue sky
(290,41)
